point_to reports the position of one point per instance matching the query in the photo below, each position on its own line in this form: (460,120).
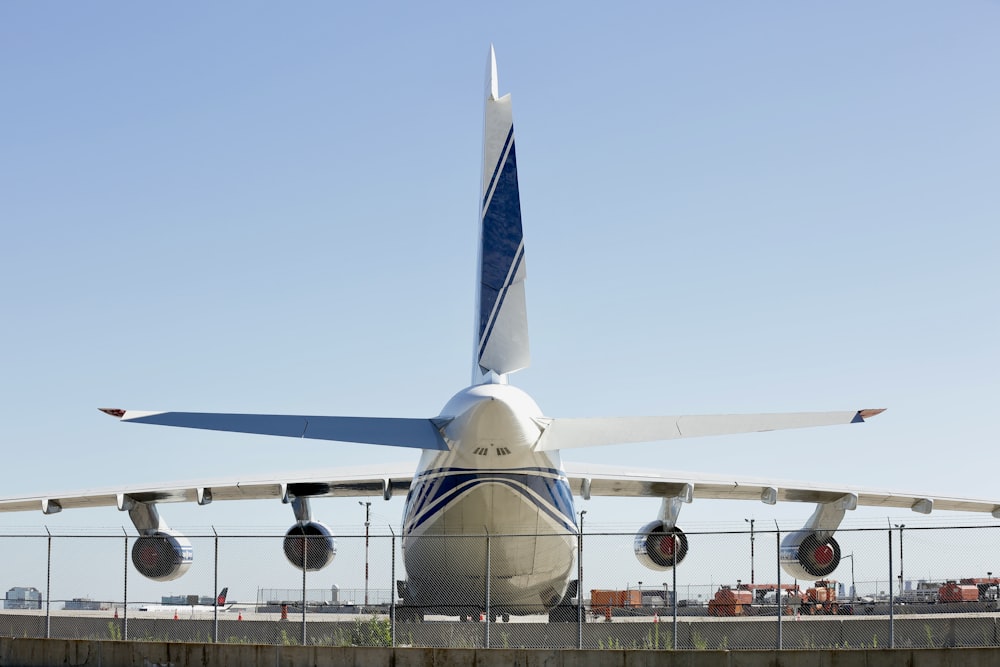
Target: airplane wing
(563,433)
(599,480)
(366,481)
(397,432)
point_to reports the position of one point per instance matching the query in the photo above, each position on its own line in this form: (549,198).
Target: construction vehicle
(741,600)
(820,598)
(760,591)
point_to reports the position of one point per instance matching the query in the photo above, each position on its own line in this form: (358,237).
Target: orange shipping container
(600,599)
(952,592)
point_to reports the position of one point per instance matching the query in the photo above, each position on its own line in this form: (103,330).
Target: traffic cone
(116,612)
(656,618)
(240,617)
(482,616)
(175,614)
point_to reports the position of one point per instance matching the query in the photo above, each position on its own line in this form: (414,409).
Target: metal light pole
(368,516)
(751,521)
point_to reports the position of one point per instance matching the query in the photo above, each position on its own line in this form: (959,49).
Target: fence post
(48,589)
(579,583)
(305,567)
(125,592)
(777,593)
(392,592)
(676,643)
(215,624)
(892,601)
(486,615)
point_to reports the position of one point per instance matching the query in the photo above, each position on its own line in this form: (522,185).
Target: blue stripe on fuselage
(435,490)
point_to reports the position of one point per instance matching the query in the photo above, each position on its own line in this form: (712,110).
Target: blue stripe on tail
(502,252)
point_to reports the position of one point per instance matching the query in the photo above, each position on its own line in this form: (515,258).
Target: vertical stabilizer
(501,320)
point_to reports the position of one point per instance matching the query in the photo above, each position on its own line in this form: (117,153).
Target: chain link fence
(890,587)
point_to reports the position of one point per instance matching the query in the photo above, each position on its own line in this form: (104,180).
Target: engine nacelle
(660,548)
(804,556)
(312,539)
(162,556)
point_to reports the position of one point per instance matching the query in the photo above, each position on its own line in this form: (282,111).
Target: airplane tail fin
(220,599)
(501,319)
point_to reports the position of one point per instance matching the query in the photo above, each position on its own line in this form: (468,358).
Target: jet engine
(658,547)
(163,555)
(805,556)
(314,541)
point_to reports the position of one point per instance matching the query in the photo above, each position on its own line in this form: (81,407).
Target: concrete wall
(81,653)
(854,632)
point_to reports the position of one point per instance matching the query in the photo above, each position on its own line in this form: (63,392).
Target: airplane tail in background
(220,599)
(501,318)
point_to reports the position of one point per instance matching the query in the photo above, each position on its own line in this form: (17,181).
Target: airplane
(491,462)
(220,602)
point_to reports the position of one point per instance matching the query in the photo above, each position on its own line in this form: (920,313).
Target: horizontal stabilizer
(591,432)
(415,433)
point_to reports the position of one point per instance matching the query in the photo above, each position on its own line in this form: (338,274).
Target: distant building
(86,604)
(20,597)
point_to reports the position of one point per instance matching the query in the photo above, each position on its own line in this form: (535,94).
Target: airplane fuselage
(490,493)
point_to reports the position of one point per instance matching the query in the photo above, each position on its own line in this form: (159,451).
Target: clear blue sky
(728,207)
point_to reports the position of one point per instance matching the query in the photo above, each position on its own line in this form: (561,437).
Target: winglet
(866,414)
(114,412)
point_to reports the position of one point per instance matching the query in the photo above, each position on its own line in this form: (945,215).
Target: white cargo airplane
(491,462)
